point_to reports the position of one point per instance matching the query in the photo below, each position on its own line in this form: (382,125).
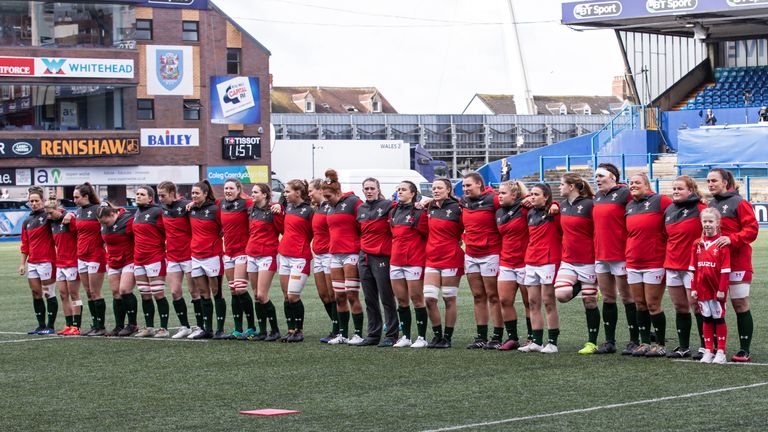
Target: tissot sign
(581,11)
(66,67)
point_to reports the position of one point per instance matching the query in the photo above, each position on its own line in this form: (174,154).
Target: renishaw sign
(88,147)
(66,67)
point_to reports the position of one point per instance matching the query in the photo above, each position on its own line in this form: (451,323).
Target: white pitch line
(30,340)
(602,407)
(729,363)
(12,333)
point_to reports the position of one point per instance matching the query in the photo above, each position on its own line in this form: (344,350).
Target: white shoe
(162,333)
(338,340)
(403,342)
(145,332)
(720,357)
(355,340)
(549,349)
(531,347)
(182,333)
(708,357)
(195,332)
(420,342)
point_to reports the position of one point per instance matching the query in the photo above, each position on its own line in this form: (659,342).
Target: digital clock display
(241,147)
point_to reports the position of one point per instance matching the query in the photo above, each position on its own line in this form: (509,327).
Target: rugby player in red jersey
(67,279)
(321,266)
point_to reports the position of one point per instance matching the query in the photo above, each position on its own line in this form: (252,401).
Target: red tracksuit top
(683,226)
(578,231)
(297,238)
(740,225)
(342,226)
(610,226)
(65,238)
(321,242)
(711,266)
(409,235)
(90,245)
(544,238)
(375,235)
(178,231)
(646,239)
(37,239)
(234,222)
(148,235)
(206,230)
(264,229)
(512,223)
(445,230)
(479,217)
(119,239)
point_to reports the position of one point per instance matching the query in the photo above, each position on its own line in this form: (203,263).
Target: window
(143,29)
(190,31)
(563,110)
(309,106)
(146,109)
(233,61)
(191,109)
(376,105)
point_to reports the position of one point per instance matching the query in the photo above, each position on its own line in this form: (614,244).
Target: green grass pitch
(100,384)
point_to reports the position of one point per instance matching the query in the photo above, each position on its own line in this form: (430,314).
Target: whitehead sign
(170,137)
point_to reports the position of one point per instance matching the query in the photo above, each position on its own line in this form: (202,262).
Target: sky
(428,56)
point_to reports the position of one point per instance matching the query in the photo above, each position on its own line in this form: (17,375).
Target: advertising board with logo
(66,67)
(88,147)
(240,147)
(19,148)
(246,174)
(170,137)
(15,177)
(123,175)
(575,12)
(179,4)
(169,70)
(235,100)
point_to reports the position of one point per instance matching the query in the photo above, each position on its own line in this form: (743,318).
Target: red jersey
(264,228)
(578,231)
(342,226)
(298,232)
(609,224)
(234,222)
(711,266)
(321,242)
(479,217)
(512,223)
(149,235)
(90,245)
(375,236)
(739,223)
(646,239)
(544,238)
(444,241)
(683,227)
(178,231)
(37,238)
(120,241)
(65,238)
(409,235)
(206,230)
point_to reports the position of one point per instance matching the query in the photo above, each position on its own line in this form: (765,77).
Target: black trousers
(377,287)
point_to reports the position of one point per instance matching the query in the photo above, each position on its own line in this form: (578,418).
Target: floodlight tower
(516,64)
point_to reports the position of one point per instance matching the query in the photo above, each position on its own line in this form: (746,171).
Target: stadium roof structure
(707,20)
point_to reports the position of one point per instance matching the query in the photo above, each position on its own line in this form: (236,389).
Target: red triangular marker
(269,412)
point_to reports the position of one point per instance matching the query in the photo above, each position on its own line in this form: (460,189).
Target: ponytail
(86,189)
(585,190)
(205,186)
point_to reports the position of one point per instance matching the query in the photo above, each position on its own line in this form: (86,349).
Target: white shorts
(449,272)
(712,309)
(151,270)
(291,266)
(42,271)
(262,263)
(508,274)
(340,260)
(128,268)
(175,267)
(410,273)
(231,262)
(739,290)
(487,266)
(90,267)
(616,268)
(322,263)
(67,274)
(210,267)
(676,278)
(584,272)
(650,276)
(539,275)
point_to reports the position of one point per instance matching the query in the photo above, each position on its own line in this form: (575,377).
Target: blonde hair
(516,187)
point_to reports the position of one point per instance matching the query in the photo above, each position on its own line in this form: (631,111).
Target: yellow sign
(87,147)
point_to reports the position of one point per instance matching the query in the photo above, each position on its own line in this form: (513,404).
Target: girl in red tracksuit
(409,240)
(739,229)
(321,243)
(264,228)
(481,262)
(512,224)
(345,249)
(683,227)
(67,279)
(149,258)
(234,223)
(646,246)
(117,232)
(207,250)
(542,258)
(445,260)
(295,256)
(38,255)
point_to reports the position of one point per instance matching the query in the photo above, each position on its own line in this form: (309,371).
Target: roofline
(477,95)
(238,27)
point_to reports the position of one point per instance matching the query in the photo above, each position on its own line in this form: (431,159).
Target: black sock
(482,332)
(683,324)
(39,307)
(92,311)
(610,319)
(511,327)
(119,310)
(237,313)
(700,328)
(421,321)
(53,310)
(644,326)
(552,335)
(437,331)
(197,307)
(131,306)
(261,317)
(148,307)
(659,322)
(404,314)
(632,323)
(357,322)
(164,310)
(344,324)
(329,309)
(498,333)
(745,327)
(246,304)
(68,320)
(271,313)
(288,311)
(528,328)
(101,311)
(77,318)
(207,312)
(298,315)
(537,336)
(221,313)
(593,324)
(180,307)
(448,334)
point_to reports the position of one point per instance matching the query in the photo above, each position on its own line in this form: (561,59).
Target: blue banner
(176,4)
(603,10)
(235,100)
(11,221)
(723,145)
